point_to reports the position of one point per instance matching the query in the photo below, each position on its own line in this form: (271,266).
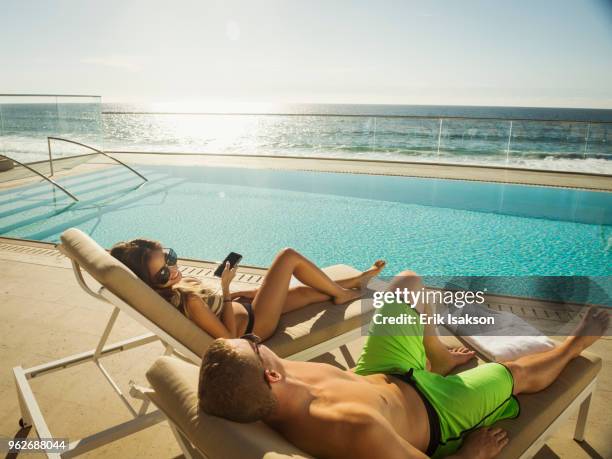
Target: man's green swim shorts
(464,402)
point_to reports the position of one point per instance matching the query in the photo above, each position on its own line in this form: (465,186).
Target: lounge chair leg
(26,420)
(582,419)
(350,362)
(188,451)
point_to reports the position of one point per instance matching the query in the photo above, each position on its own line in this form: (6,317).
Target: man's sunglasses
(256,340)
(163,275)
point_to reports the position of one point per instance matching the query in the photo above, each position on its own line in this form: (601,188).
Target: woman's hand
(250,294)
(226,277)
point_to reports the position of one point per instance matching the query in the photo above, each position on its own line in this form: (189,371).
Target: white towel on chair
(511,338)
(506,348)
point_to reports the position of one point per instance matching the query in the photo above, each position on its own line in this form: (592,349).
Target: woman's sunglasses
(163,275)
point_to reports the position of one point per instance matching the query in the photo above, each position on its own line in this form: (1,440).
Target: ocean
(541,138)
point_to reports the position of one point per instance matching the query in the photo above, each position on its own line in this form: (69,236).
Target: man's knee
(518,374)
(287,252)
(409,274)
(408,279)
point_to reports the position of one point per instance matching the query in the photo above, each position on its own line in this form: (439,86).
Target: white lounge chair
(301,335)
(174,389)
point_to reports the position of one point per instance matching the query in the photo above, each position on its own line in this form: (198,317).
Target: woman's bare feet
(354,286)
(444,360)
(592,327)
(361,280)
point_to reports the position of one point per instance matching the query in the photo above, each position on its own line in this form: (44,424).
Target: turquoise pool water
(435,227)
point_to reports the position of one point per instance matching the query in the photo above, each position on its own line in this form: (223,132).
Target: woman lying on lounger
(229,315)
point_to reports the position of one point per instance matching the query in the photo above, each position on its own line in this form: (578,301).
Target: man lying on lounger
(391,406)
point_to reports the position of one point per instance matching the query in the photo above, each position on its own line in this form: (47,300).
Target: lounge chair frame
(31,414)
(582,403)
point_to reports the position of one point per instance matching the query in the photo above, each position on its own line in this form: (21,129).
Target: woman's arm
(204,318)
(250,294)
(227,314)
(228,318)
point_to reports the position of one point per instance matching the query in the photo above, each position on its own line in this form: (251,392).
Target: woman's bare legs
(271,297)
(536,372)
(301,296)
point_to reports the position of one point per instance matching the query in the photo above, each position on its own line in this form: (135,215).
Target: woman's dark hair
(136,254)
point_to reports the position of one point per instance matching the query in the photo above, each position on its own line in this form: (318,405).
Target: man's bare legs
(536,372)
(272,295)
(441,359)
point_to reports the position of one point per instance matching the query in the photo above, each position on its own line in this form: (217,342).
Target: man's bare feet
(592,327)
(484,443)
(444,360)
(347,296)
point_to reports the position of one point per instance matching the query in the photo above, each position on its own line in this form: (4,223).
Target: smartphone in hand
(233,258)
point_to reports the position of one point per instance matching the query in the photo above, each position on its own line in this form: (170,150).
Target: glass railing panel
(328,136)
(407,139)
(26,121)
(302,135)
(25,124)
(78,119)
(473,141)
(547,144)
(500,142)
(179,133)
(598,142)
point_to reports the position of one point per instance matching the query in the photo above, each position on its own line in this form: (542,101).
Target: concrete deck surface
(44,315)
(79,164)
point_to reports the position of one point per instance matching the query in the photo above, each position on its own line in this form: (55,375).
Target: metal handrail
(90,96)
(50,138)
(53,182)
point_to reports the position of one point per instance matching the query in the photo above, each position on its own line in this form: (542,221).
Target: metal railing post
(50,157)
(586,139)
(374,141)
(440,135)
(508,146)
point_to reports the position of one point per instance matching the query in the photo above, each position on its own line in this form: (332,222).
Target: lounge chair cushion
(175,385)
(317,323)
(298,330)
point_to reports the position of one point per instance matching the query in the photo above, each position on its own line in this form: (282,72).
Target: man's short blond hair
(233,385)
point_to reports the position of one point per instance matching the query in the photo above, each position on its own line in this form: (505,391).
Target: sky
(551,53)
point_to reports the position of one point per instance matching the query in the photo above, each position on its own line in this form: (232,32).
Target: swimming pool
(433,226)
